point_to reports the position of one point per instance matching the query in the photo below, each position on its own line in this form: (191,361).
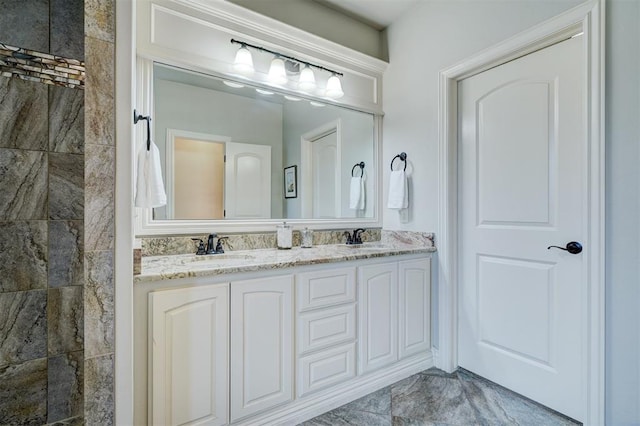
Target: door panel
(513,160)
(521,189)
(248,181)
(415,307)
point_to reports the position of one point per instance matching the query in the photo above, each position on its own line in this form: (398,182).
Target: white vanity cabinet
(189,342)
(394,300)
(273,348)
(261,344)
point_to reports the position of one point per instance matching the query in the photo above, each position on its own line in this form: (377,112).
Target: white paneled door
(522,181)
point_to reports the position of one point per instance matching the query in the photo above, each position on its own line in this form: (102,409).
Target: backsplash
(162,246)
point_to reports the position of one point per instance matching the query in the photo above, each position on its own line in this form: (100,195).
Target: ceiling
(376,13)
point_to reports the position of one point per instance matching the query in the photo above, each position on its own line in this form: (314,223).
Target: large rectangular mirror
(231,151)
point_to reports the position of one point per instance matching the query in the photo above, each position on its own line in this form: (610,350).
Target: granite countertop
(156,268)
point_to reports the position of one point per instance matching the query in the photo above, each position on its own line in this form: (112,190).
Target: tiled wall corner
(99,212)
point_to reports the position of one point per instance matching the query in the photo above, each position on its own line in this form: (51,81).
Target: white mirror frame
(145,225)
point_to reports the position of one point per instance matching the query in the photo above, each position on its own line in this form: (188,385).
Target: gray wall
(322,21)
(622,153)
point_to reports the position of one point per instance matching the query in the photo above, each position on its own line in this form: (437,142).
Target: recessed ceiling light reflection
(264,92)
(292,98)
(316,104)
(233,84)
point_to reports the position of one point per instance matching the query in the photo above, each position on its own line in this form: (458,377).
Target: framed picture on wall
(291,182)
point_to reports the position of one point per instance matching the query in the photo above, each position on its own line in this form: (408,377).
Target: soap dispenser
(284,236)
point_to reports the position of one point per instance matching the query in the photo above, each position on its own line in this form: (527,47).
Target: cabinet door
(261,344)
(189,362)
(378,316)
(414,308)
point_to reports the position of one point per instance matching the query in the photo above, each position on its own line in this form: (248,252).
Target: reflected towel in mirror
(398,190)
(356,195)
(149,185)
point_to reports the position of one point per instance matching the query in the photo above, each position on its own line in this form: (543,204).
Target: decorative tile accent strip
(41,67)
(166,246)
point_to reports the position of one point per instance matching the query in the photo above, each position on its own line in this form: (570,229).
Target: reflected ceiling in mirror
(232,151)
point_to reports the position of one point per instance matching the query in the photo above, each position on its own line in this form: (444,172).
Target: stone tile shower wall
(42,205)
(57,175)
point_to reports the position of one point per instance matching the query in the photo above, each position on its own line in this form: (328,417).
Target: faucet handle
(349,237)
(201,248)
(219,247)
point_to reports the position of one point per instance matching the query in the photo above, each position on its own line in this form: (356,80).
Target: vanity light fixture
(244,61)
(306,80)
(233,84)
(264,92)
(334,88)
(277,72)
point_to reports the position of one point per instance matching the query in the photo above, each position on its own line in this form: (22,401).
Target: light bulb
(307,80)
(334,87)
(244,62)
(277,73)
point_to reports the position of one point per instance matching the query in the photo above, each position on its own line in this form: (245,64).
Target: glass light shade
(307,81)
(244,62)
(334,87)
(277,73)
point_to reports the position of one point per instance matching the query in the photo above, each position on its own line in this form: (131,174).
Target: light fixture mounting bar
(291,58)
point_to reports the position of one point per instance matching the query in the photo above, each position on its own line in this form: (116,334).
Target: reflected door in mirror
(248,186)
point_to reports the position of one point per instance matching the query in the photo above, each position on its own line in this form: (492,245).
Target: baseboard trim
(315,404)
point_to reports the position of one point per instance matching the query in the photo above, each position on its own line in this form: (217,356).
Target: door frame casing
(589,19)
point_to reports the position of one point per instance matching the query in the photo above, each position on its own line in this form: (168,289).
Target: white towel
(356,195)
(398,190)
(149,186)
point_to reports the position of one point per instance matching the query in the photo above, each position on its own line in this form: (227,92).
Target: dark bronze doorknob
(573,247)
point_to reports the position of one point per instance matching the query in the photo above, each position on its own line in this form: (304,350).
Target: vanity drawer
(327,327)
(320,289)
(327,368)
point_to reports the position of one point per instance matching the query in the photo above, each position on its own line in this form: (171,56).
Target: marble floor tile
(494,404)
(432,398)
(436,398)
(344,417)
(378,402)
